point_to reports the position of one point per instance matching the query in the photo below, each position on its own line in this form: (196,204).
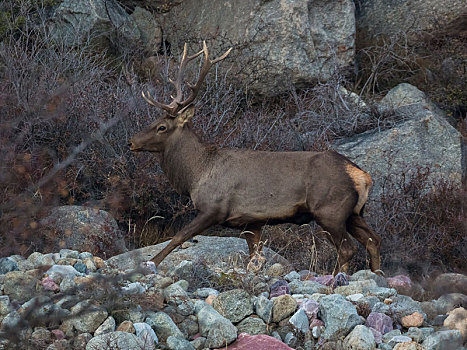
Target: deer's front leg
(198,225)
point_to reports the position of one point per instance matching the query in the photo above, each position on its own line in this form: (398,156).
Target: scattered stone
(282,307)
(310,307)
(275,270)
(300,321)
(380,322)
(263,308)
(205,292)
(8,265)
(176,291)
(106,327)
(163,325)
(84,255)
(339,315)
(360,338)
(145,332)
(290,339)
(234,304)
(413,320)
(183,270)
(340,279)
(69,253)
(252,326)
(118,340)
(419,334)
(49,284)
(278,288)
(446,340)
(448,302)
(218,330)
(408,346)
(134,288)
(4,305)
(354,297)
(457,319)
(292,275)
(58,334)
(354,287)
(175,343)
(19,285)
(258,342)
(326,280)
(369,275)
(59,272)
(403,305)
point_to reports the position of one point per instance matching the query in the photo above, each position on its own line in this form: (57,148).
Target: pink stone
(257,342)
(413,320)
(58,334)
(326,280)
(310,307)
(377,334)
(279,288)
(49,284)
(379,322)
(316,323)
(399,281)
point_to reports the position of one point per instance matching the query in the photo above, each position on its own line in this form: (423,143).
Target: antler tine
(202,74)
(177,101)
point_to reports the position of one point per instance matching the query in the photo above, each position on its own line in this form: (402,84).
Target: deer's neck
(185,159)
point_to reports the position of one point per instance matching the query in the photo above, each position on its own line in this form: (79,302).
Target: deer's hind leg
(359,229)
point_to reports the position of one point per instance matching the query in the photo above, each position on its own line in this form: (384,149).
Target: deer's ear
(185,115)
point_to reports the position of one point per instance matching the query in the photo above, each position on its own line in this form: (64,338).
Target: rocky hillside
(74,300)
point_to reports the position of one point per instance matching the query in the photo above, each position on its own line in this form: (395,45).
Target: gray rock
(360,338)
(291,340)
(369,275)
(252,326)
(403,95)
(134,288)
(41,310)
(266,33)
(403,305)
(360,286)
(145,332)
(399,339)
(189,326)
(69,253)
(234,304)
(205,292)
(85,255)
(8,265)
(183,270)
(377,17)
(163,325)
(382,293)
(59,272)
(292,275)
(263,308)
(307,287)
(4,305)
(419,334)
(215,252)
(446,340)
(92,230)
(118,340)
(149,30)
(339,316)
(106,327)
(218,330)
(176,291)
(389,335)
(199,343)
(408,145)
(11,321)
(175,343)
(448,302)
(87,317)
(380,307)
(19,285)
(300,321)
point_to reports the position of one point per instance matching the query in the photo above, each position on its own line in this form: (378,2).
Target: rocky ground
(73,300)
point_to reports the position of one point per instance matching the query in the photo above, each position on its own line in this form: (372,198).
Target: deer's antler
(177,102)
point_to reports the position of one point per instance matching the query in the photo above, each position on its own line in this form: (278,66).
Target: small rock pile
(72,300)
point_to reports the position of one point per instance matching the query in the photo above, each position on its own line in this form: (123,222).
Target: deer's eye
(161,128)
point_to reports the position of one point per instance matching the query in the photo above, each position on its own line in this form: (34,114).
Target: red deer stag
(247,189)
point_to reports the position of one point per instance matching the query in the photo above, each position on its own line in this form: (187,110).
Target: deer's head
(178,112)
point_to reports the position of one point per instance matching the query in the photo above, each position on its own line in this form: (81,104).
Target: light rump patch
(362,181)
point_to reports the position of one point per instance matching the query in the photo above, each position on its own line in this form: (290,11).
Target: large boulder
(76,20)
(423,139)
(215,252)
(277,44)
(84,229)
(389,16)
